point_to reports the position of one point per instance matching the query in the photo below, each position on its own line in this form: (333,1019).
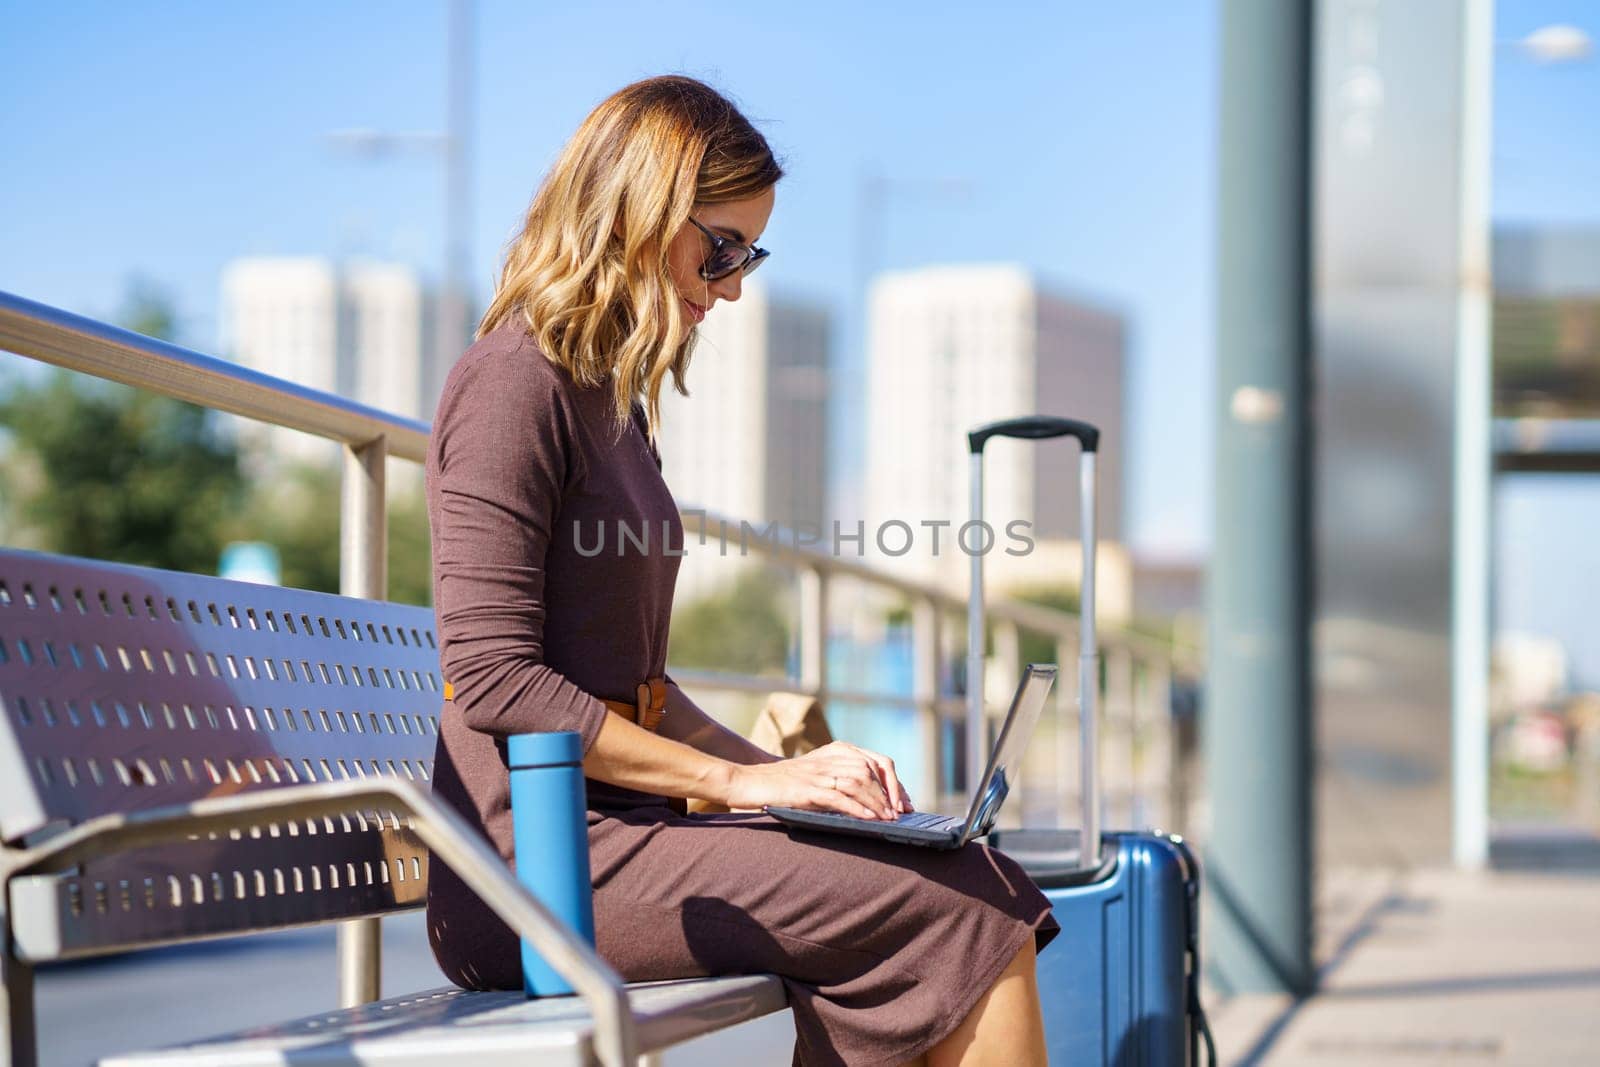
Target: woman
(542,446)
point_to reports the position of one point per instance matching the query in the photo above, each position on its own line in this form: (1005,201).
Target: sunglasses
(728,256)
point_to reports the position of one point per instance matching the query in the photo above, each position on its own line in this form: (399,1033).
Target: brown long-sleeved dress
(883,948)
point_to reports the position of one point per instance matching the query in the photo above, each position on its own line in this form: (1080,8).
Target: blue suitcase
(1120,986)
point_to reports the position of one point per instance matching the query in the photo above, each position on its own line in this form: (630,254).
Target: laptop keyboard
(923,820)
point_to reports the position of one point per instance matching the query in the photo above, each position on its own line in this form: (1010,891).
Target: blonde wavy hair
(588,273)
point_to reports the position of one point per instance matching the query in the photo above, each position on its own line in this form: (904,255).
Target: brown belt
(649,704)
(648,707)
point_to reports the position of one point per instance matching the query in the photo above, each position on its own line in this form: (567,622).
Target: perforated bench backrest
(125,688)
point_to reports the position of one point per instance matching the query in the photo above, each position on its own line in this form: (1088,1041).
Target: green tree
(1038,648)
(1041,648)
(101,470)
(741,629)
(105,471)
(298,512)
(410,549)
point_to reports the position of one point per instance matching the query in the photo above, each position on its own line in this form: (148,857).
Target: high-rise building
(389,337)
(358,330)
(749,442)
(280,316)
(951,347)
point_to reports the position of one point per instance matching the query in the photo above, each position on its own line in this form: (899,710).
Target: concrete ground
(1431,967)
(1437,967)
(151,999)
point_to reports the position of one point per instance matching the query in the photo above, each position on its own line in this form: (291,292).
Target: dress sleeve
(503,455)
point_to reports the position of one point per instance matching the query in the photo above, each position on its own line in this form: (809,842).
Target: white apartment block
(952,347)
(360,330)
(750,441)
(280,316)
(388,320)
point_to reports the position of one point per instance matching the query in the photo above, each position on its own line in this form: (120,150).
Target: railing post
(1142,729)
(1069,768)
(814,632)
(1137,802)
(925,657)
(1116,770)
(1121,676)
(1008,654)
(363,572)
(1007,649)
(1163,750)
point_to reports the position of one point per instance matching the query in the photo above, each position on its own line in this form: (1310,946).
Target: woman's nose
(728,288)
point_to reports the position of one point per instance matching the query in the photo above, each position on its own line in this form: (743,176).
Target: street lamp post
(452,146)
(453,321)
(360,944)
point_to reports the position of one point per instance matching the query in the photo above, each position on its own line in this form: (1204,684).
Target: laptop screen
(1005,762)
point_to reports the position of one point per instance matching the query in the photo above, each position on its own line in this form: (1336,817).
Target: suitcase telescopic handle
(1038,428)
(1035,428)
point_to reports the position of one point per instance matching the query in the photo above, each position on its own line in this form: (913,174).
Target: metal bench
(184,757)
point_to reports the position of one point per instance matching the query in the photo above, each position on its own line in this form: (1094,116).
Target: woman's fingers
(858,788)
(882,768)
(867,778)
(892,786)
(846,801)
(862,786)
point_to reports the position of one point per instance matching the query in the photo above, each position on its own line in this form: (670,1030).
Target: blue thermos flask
(550,827)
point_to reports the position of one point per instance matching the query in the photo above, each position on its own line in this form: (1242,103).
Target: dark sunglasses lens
(755,261)
(723,263)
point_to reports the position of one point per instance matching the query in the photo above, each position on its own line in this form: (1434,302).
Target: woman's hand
(837,777)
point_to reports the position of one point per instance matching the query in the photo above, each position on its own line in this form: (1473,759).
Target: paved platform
(1437,967)
(1434,967)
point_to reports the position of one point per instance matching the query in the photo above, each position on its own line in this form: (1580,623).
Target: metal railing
(1139,757)
(369,437)
(1145,783)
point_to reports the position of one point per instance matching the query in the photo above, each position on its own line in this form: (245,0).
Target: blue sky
(164,139)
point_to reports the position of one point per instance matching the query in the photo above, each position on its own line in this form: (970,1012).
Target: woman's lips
(696,310)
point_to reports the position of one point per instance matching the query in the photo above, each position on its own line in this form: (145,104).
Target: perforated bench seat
(184,757)
(481,1029)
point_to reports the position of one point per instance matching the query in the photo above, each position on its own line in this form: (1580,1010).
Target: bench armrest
(449,838)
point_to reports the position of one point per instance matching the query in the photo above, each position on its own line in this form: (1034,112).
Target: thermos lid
(544,750)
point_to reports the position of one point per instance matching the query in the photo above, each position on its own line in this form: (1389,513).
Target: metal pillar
(814,632)
(1258,709)
(926,655)
(1473,476)
(363,572)
(1401,628)
(453,328)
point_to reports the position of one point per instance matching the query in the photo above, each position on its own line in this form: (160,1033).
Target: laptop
(943,831)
